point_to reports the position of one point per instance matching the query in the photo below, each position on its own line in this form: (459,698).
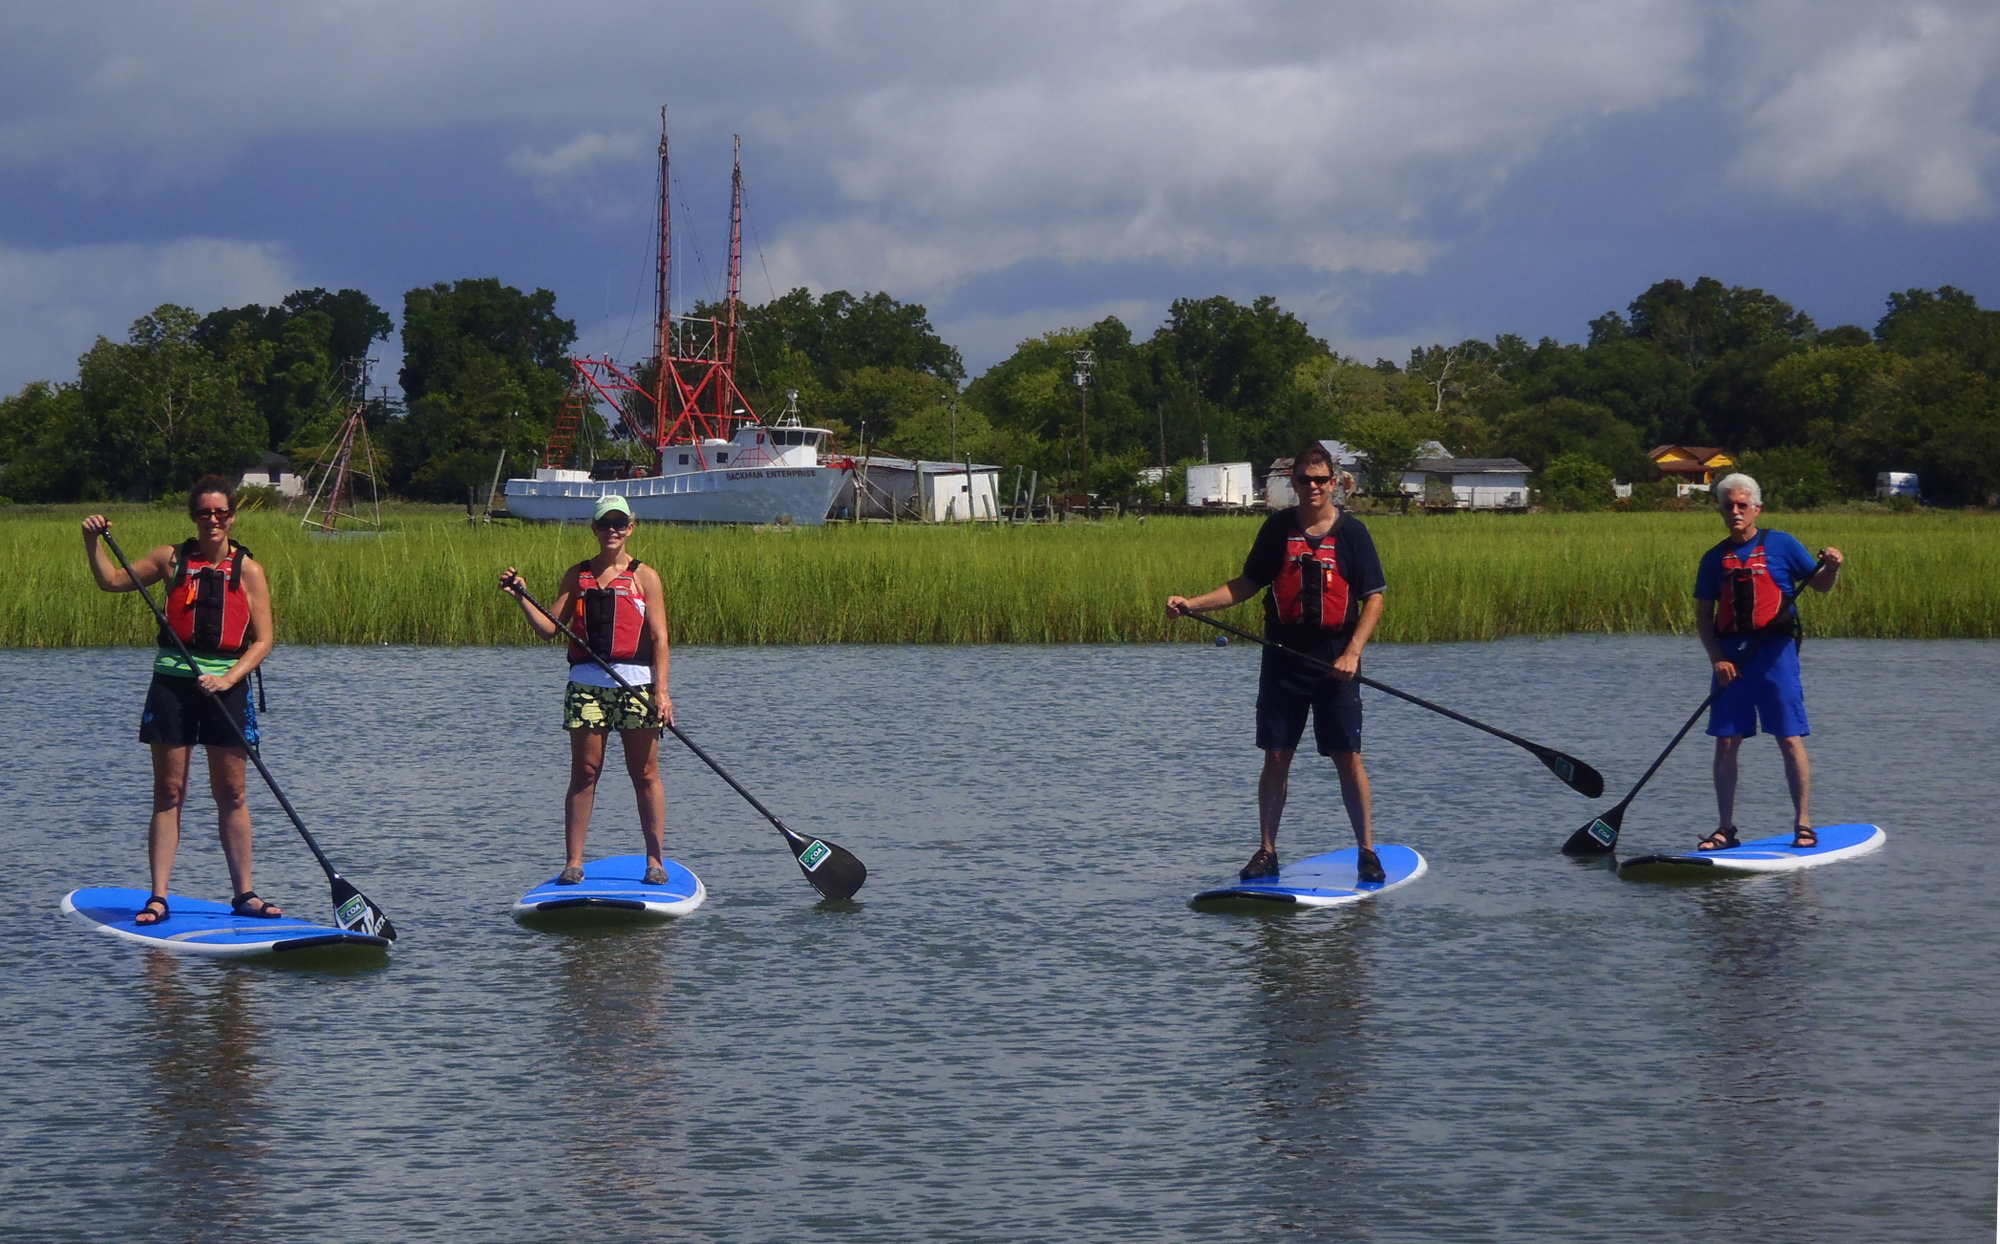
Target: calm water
(1020,1031)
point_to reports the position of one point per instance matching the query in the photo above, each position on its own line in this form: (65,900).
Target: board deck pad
(1327,880)
(1774,854)
(615,886)
(200,926)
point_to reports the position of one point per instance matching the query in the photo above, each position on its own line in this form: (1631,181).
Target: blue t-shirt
(1787,560)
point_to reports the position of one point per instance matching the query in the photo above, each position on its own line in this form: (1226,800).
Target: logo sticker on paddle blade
(813,856)
(1602,832)
(351,913)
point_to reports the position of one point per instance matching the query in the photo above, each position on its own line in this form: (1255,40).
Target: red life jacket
(206,606)
(613,616)
(1310,587)
(1750,602)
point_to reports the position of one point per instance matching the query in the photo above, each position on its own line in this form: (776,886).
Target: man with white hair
(1744,611)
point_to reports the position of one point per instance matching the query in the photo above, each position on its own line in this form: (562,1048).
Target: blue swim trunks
(1767,691)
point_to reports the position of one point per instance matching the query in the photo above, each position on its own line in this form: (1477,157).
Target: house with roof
(1470,483)
(1691,467)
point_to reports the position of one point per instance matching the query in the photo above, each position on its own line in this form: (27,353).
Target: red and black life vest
(1310,588)
(206,606)
(613,616)
(1750,602)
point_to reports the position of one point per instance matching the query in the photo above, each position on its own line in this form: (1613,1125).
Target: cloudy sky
(1396,174)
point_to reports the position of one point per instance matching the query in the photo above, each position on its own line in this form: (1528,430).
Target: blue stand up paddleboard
(200,926)
(615,887)
(1775,854)
(1327,880)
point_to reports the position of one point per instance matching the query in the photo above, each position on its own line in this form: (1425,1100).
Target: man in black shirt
(1325,597)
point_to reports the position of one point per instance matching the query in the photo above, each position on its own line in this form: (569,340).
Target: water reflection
(1753,1017)
(1315,1008)
(208,1110)
(614,1053)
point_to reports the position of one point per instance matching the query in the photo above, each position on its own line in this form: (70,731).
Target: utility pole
(1085,360)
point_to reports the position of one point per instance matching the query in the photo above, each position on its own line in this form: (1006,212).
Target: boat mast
(663,302)
(735,264)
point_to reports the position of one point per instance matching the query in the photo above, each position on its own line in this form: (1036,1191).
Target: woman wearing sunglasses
(218,603)
(616,604)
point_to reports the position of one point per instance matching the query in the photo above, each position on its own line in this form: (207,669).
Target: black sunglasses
(212,513)
(614,522)
(1313,481)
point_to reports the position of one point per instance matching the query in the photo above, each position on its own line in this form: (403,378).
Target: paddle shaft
(332,874)
(1580,776)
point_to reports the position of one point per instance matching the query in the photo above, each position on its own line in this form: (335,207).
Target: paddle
(1575,774)
(351,908)
(832,869)
(1600,836)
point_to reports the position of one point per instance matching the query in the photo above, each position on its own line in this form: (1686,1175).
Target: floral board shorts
(607,708)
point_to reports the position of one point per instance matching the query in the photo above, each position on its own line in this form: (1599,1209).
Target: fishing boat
(713,459)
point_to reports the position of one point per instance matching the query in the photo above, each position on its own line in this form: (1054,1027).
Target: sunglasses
(1313,481)
(216,514)
(613,522)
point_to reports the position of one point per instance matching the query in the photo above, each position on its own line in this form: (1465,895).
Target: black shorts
(180,714)
(1286,694)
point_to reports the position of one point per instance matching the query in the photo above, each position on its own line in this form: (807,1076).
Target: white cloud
(54,304)
(1883,108)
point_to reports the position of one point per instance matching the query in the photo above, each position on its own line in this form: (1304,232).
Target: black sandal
(1368,867)
(1262,864)
(144,916)
(263,910)
(1804,838)
(1721,840)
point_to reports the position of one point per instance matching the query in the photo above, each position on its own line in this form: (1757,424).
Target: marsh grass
(430,578)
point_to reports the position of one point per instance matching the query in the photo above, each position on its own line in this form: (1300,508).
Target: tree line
(1816,413)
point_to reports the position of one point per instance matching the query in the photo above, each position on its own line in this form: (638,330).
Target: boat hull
(798,494)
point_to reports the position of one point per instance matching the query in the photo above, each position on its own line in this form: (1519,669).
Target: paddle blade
(1600,837)
(356,911)
(1575,774)
(832,869)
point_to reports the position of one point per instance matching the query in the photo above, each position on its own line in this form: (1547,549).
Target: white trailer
(1221,484)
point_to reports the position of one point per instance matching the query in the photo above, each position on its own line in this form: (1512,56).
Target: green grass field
(430,578)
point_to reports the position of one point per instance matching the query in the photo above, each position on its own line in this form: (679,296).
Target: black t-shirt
(1354,550)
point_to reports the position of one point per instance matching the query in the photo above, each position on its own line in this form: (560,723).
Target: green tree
(1947,320)
(313,347)
(1387,444)
(1539,434)
(1792,477)
(1575,482)
(485,367)
(45,445)
(815,345)
(166,410)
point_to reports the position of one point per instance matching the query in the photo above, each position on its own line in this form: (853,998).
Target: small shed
(919,490)
(1474,483)
(273,470)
